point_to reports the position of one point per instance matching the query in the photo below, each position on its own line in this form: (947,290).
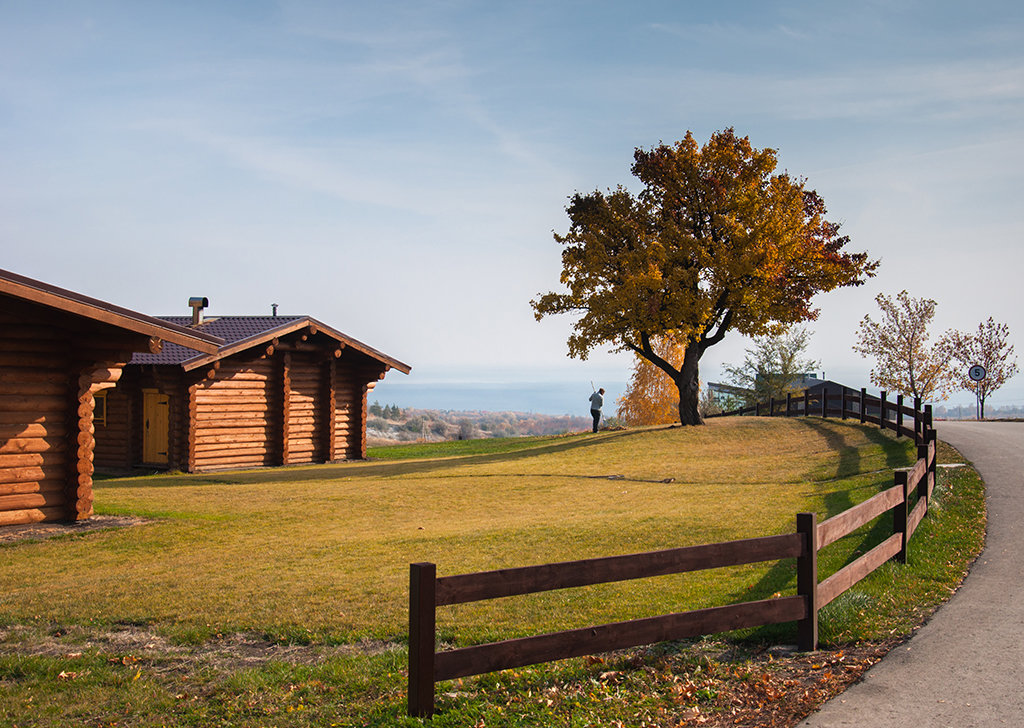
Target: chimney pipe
(198,303)
(273,309)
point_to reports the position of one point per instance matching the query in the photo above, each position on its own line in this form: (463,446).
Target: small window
(99,410)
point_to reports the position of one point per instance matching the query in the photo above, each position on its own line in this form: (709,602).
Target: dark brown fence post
(928,424)
(757,408)
(863,405)
(789,402)
(899,515)
(881,409)
(807,403)
(422,638)
(899,415)
(824,402)
(842,402)
(933,467)
(807,581)
(918,434)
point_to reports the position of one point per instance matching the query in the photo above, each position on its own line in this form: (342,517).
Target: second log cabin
(282,390)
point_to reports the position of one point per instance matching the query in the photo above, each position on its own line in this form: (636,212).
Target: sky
(398,169)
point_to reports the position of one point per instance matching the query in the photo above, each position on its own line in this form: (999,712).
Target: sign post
(977,374)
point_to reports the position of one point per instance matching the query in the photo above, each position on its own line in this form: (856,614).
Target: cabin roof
(243,332)
(60,299)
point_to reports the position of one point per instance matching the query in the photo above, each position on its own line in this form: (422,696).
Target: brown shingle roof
(242,332)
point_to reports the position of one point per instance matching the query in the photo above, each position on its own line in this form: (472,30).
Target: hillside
(390,425)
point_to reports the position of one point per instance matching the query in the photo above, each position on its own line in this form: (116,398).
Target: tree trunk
(688,384)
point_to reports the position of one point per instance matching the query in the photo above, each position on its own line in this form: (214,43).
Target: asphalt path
(965,667)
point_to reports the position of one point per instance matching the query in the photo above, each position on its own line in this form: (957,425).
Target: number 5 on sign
(977,372)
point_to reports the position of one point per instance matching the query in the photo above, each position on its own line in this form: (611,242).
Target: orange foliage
(652,398)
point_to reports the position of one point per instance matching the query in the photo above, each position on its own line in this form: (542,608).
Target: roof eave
(61,299)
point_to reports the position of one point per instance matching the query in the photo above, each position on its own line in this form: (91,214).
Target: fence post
(824,402)
(918,434)
(899,415)
(757,408)
(807,581)
(899,515)
(842,402)
(789,402)
(930,437)
(863,405)
(422,638)
(807,403)
(881,409)
(771,406)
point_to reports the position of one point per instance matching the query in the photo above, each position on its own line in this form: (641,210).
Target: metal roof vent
(198,303)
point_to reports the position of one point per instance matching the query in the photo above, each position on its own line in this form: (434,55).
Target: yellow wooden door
(154,430)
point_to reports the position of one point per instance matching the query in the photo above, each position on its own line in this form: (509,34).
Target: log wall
(50,371)
(306,413)
(232,417)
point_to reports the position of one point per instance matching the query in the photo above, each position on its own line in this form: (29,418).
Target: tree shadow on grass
(363,469)
(781,577)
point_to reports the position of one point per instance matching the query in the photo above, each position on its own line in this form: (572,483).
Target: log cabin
(281,390)
(59,350)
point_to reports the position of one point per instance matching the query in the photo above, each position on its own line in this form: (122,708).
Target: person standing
(596,402)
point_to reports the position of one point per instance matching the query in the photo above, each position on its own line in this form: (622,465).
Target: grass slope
(318,556)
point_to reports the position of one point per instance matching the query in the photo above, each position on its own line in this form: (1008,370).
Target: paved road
(966,666)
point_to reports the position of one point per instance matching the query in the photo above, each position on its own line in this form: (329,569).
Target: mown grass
(319,556)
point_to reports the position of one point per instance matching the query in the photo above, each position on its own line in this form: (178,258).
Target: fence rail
(427,591)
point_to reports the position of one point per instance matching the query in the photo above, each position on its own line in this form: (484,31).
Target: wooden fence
(907,499)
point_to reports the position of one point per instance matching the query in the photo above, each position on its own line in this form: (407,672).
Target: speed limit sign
(977,372)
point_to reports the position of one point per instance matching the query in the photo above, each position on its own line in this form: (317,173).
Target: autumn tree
(773,366)
(715,241)
(989,347)
(904,361)
(652,397)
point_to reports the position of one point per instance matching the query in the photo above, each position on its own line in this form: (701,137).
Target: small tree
(652,397)
(904,362)
(773,366)
(988,347)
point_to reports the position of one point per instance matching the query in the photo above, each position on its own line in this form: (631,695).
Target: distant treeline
(391,423)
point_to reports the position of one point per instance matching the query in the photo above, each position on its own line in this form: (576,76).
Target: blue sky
(396,169)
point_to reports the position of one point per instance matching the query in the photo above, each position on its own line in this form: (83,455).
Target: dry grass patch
(322,553)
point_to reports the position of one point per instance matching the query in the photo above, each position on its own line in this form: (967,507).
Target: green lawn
(319,556)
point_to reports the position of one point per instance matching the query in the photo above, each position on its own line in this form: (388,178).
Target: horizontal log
(20,375)
(530,579)
(620,635)
(34,403)
(212,410)
(215,426)
(32,473)
(202,449)
(10,431)
(215,396)
(22,501)
(49,347)
(22,460)
(236,385)
(52,485)
(55,388)
(853,518)
(17,445)
(204,437)
(229,463)
(31,515)
(854,572)
(34,361)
